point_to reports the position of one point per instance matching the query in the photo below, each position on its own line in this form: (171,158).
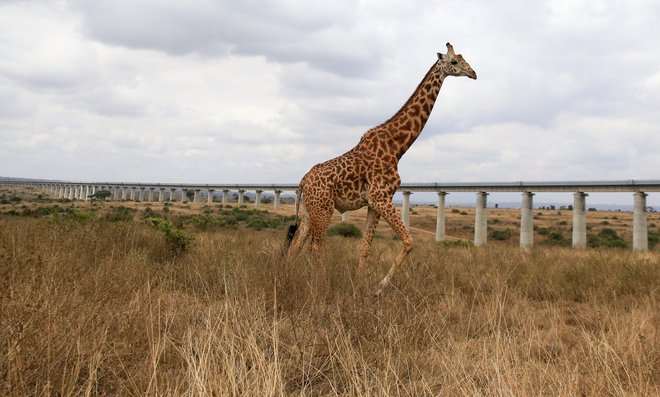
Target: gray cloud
(247,90)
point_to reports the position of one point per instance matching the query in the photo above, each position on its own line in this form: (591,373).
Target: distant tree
(100,195)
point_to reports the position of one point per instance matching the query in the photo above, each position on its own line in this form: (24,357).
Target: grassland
(94,300)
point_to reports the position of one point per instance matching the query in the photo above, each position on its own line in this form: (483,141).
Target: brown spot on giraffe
(367,174)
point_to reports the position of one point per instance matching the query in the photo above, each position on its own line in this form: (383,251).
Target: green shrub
(455,211)
(556,238)
(501,235)
(654,238)
(543,231)
(120,214)
(177,239)
(456,243)
(463,213)
(345,229)
(606,238)
(563,223)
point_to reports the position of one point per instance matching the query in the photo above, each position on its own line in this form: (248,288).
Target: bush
(501,235)
(456,243)
(557,239)
(120,214)
(606,238)
(463,213)
(543,231)
(455,211)
(654,238)
(178,240)
(345,229)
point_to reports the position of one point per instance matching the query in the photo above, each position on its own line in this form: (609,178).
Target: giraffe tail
(293,228)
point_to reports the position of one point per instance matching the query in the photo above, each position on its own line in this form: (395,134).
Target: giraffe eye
(454,62)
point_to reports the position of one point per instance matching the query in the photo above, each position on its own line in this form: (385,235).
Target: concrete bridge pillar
(195,196)
(225,196)
(184,194)
(440,220)
(527,220)
(209,197)
(151,194)
(481,220)
(344,216)
(86,192)
(172,197)
(640,225)
(241,194)
(161,194)
(405,209)
(60,191)
(141,193)
(579,220)
(71,192)
(278,199)
(257,198)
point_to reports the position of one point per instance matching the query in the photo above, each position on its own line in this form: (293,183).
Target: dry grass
(102,308)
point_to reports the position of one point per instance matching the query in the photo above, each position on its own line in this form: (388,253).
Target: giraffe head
(454,65)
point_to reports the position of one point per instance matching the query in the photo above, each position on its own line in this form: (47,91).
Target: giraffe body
(367,174)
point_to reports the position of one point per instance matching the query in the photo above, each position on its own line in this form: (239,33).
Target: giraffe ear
(439,56)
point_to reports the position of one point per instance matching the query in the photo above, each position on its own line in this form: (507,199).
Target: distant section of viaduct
(168,192)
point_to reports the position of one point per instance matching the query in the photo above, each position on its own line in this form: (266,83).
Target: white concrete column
(141,196)
(440,220)
(527,220)
(640,225)
(172,197)
(257,198)
(278,199)
(579,220)
(241,193)
(151,194)
(344,216)
(184,195)
(225,196)
(195,196)
(161,191)
(133,188)
(86,192)
(209,197)
(405,209)
(481,220)
(71,192)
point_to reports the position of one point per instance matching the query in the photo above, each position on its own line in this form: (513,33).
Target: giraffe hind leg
(372,221)
(299,238)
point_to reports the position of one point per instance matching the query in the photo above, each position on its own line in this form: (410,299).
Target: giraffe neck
(402,129)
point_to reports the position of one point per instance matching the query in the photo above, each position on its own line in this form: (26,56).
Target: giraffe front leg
(372,221)
(389,213)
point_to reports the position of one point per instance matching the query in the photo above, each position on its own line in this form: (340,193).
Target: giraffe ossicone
(367,174)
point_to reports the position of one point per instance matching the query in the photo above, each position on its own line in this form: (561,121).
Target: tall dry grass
(102,308)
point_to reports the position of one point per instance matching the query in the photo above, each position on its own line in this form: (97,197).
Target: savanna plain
(153,299)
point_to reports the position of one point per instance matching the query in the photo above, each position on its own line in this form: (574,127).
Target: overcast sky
(259,91)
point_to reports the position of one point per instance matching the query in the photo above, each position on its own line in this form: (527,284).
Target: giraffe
(367,175)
